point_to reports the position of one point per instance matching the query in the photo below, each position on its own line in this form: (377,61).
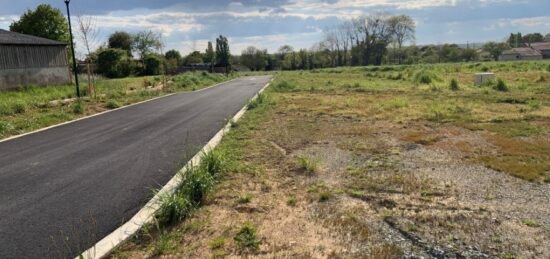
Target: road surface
(63,189)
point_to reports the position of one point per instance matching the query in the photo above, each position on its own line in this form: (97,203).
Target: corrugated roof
(541,45)
(522,51)
(14,38)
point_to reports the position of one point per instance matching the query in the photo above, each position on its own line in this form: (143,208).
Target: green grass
(308,164)
(246,238)
(244,198)
(261,99)
(34,107)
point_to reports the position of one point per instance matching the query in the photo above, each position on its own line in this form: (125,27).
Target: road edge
(145,215)
(104,112)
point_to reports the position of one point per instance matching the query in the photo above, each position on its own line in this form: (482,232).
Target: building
(28,60)
(543,48)
(520,54)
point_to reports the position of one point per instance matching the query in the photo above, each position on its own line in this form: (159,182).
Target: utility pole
(72,49)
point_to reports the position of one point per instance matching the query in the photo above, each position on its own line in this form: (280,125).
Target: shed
(543,48)
(29,60)
(520,54)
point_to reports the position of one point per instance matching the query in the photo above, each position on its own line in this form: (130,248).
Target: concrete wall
(20,77)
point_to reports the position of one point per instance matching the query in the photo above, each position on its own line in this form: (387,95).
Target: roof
(14,38)
(522,51)
(541,45)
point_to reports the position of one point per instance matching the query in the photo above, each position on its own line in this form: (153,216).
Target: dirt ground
(372,189)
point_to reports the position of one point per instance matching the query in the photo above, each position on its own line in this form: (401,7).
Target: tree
(495,49)
(222,52)
(114,63)
(146,42)
(121,40)
(173,59)
(152,64)
(532,38)
(403,29)
(88,32)
(194,57)
(254,58)
(45,21)
(209,54)
(547,37)
(515,40)
(173,54)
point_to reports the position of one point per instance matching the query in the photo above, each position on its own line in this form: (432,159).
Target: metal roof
(541,45)
(14,38)
(522,51)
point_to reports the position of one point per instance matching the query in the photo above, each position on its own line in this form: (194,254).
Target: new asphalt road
(63,189)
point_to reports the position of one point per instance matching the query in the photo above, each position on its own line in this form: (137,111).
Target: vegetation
(33,108)
(246,238)
(45,21)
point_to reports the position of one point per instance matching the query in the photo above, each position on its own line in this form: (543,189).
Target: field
(33,108)
(379,162)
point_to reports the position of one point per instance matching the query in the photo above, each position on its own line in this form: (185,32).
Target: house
(543,48)
(29,60)
(520,54)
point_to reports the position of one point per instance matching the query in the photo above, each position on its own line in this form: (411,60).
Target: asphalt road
(63,189)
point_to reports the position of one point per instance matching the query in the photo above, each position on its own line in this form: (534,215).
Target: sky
(188,25)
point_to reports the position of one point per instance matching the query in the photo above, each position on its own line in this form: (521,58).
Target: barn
(520,54)
(28,60)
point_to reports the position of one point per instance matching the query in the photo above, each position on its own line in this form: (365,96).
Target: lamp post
(72,49)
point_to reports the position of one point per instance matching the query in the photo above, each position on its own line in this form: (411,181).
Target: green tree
(209,55)
(121,40)
(146,42)
(114,63)
(254,58)
(152,64)
(173,54)
(515,40)
(532,38)
(194,57)
(495,48)
(547,37)
(222,51)
(45,21)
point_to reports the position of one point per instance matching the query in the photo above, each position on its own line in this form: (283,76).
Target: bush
(197,183)
(78,107)
(152,65)
(112,104)
(5,127)
(19,107)
(284,86)
(246,237)
(114,63)
(453,85)
(425,77)
(173,209)
(501,86)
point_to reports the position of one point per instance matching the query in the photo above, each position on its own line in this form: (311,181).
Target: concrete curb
(101,113)
(145,215)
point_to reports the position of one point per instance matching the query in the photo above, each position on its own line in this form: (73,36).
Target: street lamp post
(72,49)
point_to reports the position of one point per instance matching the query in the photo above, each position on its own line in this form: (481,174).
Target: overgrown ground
(33,108)
(379,163)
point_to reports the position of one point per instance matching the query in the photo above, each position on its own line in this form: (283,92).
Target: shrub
(196,184)
(112,104)
(424,77)
(78,107)
(5,127)
(284,86)
(501,86)
(18,107)
(246,237)
(152,64)
(258,101)
(453,85)
(114,63)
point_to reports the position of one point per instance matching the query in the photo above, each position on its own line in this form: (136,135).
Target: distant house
(520,54)
(543,48)
(29,60)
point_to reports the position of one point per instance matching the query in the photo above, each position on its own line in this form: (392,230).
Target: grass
(261,99)
(244,198)
(246,238)
(34,107)
(308,164)
(292,201)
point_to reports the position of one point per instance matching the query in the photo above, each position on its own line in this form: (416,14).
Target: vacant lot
(380,162)
(33,108)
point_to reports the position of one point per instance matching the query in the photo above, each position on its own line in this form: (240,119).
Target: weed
(163,245)
(308,164)
(216,243)
(246,238)
(5,127)
(530,223)
(173,209)
(453,85)
(196,184)
(398,103)
(284,86)
(112,104)
(78,107)
(244,198)
(534,104)
(291,201)
(233,123)
(324,196)
(260,100)
(425,77)
(501,86)
(19,107)
(540,79)
(213,162)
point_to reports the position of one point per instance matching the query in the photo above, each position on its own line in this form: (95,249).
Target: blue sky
(188,25)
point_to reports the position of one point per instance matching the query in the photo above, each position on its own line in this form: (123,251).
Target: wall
(16,78)
(25,65)
(510,57)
